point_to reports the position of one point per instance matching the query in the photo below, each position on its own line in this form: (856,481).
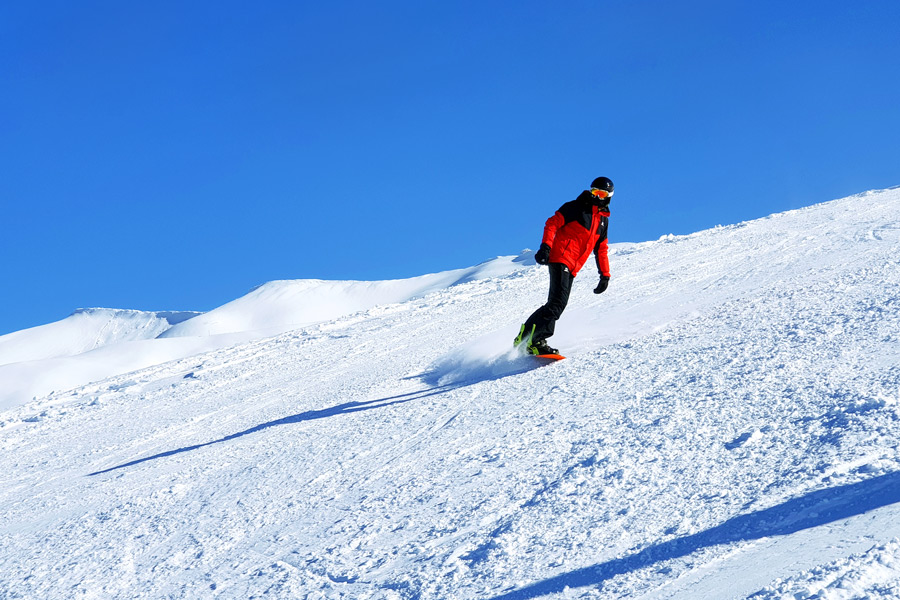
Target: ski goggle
(601,193)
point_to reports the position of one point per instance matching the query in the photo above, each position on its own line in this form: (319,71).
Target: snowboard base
(549,356)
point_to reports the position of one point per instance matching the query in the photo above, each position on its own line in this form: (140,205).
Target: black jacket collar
(589,199)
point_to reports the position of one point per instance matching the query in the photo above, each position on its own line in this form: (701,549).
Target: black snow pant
(544,319)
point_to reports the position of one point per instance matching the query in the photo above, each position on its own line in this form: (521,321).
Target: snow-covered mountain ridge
(84,330)
(93,344)
(726,425)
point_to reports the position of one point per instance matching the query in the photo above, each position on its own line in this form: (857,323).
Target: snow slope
(727,425)
(93,344)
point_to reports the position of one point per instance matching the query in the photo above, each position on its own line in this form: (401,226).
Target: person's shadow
(310,415)
(811,510)
(431,377)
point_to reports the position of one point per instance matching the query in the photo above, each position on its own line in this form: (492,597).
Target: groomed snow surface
(727,425)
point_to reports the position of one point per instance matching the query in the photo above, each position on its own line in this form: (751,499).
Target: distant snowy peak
(279,306)
(84,330)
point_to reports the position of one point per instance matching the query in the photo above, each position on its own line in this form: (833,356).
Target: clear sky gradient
(171,156)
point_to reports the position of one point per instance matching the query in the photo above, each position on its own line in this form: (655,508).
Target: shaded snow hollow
(727,425)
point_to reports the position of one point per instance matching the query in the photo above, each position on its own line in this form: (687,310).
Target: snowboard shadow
(309,415)
(808,511)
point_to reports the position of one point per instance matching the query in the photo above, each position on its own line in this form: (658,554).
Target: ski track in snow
(726,425)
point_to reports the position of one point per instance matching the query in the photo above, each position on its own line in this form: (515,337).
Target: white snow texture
(726,425)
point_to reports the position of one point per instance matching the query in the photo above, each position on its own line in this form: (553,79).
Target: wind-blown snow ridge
(279,306)
(726,426)
(84,330)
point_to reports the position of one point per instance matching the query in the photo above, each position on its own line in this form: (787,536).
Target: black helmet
(603,183)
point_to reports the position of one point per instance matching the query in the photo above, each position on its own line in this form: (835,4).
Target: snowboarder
(570,235)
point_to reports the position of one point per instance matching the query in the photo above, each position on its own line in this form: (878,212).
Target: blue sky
(171,156)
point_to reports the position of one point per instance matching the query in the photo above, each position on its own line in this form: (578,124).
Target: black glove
(601,287)
(542,256)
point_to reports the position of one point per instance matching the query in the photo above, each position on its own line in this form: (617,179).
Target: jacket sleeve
(551,227)
(601,250)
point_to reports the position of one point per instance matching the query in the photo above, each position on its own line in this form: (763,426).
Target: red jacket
(575,230)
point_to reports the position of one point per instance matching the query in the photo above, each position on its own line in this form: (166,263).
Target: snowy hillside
(93,344)
(727,425)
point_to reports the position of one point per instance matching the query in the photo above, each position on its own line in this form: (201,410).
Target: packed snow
(726,425)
